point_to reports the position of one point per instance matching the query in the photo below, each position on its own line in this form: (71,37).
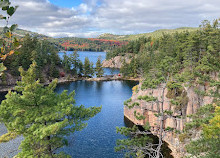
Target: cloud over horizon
(94,17)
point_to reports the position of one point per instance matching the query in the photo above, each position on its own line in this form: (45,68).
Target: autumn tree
(8,44)
(43,117)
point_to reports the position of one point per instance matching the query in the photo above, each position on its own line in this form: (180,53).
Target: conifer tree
(43,117)
(74,59)
(88,67)
(66,62)
(99,70)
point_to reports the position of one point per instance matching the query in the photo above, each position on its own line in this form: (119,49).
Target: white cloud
(112,16)
(148,15)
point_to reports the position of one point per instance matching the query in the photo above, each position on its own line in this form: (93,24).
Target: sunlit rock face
(176,121)
(116,62)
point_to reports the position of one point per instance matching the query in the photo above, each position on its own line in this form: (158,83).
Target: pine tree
(43,117)
(66,62)
(88,67)
(99,70)
(74,59)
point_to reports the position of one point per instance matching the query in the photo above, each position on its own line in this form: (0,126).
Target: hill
(102,43)
(20,33)
(86,44)
(156,33)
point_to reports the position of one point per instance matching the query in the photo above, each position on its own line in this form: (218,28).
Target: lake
(98,139)
(93,56)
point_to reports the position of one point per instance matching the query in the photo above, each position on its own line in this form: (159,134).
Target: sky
(90,18)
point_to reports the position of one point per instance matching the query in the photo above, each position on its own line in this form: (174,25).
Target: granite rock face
(116,62)
(178,118)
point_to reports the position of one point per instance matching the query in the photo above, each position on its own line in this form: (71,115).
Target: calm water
(93,56)
(98,139)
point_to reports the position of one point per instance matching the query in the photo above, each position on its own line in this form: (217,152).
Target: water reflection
(99,138)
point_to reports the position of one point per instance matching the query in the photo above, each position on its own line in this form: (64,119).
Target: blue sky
(67,3)
(90,18)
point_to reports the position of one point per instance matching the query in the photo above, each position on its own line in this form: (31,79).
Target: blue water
(93,56)
(98,139)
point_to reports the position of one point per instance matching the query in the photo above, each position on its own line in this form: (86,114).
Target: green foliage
(187,56)
(204,148)
(41,51)
(147,98)
(43,117)
(66,62)
(129,145)
(155,34)
(72,64)
(131,69)
(2,68)
(183,137)
(88,68)
(8,44)
(7,137)
(132,105)
(178,96)
(126,103)
(138,116)
(176,61)
(99,69)
(74,59)
(207,145)
(202,116)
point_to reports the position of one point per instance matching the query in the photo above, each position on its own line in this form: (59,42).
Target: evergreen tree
(66,62)
(188,59)
(43,117)
(53,71)
(88,67)
(74,59)
(80,68)
(99,70)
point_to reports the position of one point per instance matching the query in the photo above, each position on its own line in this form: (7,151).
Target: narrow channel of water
(98,139)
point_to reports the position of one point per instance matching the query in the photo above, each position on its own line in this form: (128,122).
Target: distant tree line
(87,44)
(49,64)
(73,65)
(34,49)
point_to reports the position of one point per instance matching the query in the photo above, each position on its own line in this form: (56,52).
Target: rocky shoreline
(116,62)
(10,148)
(73,79)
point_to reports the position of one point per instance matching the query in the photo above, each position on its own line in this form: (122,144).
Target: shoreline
(73,79)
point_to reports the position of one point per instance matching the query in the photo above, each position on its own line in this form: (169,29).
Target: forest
(34,110)
(86,44)
(170,62)
(187,59)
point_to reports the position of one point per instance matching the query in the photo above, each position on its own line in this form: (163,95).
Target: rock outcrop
(116,62)
(176,121)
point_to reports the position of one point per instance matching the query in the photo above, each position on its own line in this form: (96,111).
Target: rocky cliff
(116,62)
(176,121)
